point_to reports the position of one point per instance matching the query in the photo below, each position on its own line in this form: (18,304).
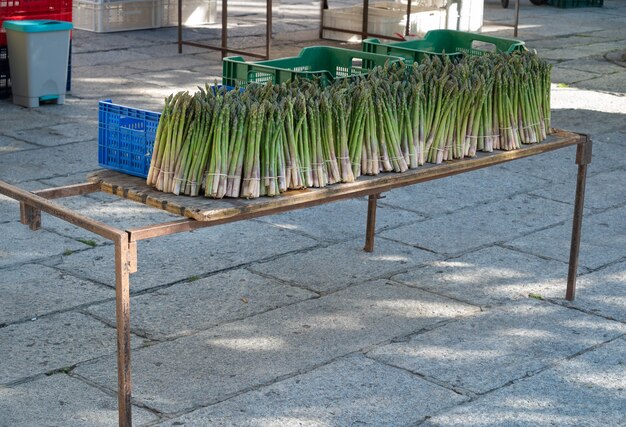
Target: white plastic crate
(468,18)
(195,12)
(107,16)
(384,18)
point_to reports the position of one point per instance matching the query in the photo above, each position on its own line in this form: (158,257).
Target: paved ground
(458,318)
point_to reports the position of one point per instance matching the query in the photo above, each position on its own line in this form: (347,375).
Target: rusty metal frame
(33,203)
(224,30)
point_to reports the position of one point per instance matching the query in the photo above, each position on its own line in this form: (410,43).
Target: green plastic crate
(566,4)
(449,43)
(324,62)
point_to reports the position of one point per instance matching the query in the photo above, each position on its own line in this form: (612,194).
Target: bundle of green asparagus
(271,138)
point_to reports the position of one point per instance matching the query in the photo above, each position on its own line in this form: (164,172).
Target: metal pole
(371,222)
(583,158)
(224,27)
(323,5)
(516,18)
(180,26)
(366,8)
(408,17)
(122,316)
(268,35)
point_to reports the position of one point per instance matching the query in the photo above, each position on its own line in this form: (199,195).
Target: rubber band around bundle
(482,136)
(185,180)
(531,125)
(252,179)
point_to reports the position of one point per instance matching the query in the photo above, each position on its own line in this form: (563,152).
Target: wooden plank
(226,210)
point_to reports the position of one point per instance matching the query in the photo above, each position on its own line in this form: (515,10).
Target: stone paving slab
(74,110)
(9,209)
(460,192)
(87,41)
(56,135)
(580,39)
(613,83)
(588,390)
(205,368)
(29,291)
(59,400)
(602,241)
(340,221)
(559,167)
(493,222)
(186,62)
(119,213)
(205,303)
(172,258)
(608,150)
(177,78)
(594,64)
(124,91)
(489,276)
(53,342)
(49,162)
(352,391)
(582,99)
(10,145)
(565,74)
(26,245)
(114,56)
(336,266)
(603,292)
(485,352)
(16,117)
(603,190)
(87,74)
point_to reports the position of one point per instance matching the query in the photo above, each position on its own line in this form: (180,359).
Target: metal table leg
(371,222)
(583,158)
(125,263)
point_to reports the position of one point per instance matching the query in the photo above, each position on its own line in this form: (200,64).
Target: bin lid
(37,26)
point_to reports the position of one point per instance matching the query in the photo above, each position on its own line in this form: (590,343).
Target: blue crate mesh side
(126,138)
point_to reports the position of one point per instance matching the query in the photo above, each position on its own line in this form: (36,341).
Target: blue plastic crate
(126,138)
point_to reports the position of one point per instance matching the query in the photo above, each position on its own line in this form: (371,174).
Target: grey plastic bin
(39,51)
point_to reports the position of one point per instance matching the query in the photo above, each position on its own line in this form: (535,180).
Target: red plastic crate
(19,10)
(33,7)
(57,16)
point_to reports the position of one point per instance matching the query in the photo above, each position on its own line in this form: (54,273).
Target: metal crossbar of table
(201,212)
(224,30)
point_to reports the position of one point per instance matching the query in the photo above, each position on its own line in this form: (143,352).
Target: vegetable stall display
(270,138)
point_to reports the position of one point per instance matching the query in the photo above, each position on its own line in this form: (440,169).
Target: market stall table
(199,212)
